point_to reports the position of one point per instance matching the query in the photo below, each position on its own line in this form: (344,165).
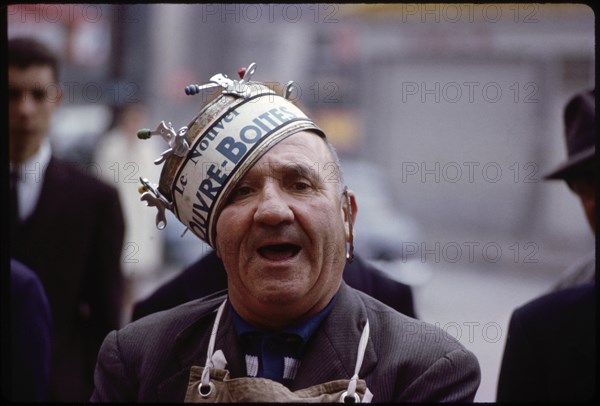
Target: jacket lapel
(332,352)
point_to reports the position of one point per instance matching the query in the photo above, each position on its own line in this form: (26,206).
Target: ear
(55,93)
(349,210)
(60,95)
(55,96)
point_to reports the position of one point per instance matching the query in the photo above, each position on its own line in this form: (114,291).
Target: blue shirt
(272,347)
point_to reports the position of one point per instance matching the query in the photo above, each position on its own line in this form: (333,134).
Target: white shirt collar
(31,178)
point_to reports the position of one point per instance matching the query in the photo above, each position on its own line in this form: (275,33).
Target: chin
(280,295)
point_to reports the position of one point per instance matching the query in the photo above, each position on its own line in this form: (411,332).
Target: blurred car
(383,232)
(382,229)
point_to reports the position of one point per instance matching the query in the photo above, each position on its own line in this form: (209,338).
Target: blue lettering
(231,149)
(252,139)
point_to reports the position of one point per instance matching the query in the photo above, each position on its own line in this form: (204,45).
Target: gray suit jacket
(406,360)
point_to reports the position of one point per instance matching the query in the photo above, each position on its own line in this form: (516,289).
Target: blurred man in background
(579,174)
(550,352)
(65,225)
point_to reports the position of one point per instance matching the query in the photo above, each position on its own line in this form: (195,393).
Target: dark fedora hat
(580,134)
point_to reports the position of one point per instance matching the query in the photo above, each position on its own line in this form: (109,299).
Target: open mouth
(279,252)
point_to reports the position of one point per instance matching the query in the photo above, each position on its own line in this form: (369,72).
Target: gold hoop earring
(350,242)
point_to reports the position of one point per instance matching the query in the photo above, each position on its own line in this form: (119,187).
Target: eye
(240,192)
(39,95)
(301,186)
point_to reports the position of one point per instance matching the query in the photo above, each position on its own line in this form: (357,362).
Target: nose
(272,208)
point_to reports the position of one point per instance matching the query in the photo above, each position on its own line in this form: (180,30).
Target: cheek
(227,229)
(331,219)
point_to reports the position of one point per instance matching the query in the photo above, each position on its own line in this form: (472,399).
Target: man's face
(33,97)
(282,233)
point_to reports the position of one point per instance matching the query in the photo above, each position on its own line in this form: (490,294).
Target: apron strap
(211,348)
(362,346)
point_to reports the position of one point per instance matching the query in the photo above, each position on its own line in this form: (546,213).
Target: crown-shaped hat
(207,158)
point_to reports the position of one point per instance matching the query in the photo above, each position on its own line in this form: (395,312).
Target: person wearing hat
(257,180)
(579,173)
(550,351)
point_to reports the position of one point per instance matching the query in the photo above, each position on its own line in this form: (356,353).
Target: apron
(211,383)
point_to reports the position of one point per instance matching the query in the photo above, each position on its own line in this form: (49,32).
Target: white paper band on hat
(222,154)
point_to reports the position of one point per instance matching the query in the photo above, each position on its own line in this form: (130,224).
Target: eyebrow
(295,168)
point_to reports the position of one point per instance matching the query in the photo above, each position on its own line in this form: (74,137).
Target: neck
(277,316)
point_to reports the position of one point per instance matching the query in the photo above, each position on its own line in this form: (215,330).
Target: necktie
(277,352)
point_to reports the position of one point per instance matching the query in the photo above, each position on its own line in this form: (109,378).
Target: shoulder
(149,346)
(22,277)
(160,328)
(392,330)
(29,304)
(153,354)
(27,285)
(425,362)
(558,302)
(555,315)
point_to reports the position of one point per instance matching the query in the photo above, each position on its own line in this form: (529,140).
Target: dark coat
(207,276)
(73,242)
(406,360)
(550,352)
(30,332)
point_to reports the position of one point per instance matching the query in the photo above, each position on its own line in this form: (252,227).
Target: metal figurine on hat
(233,87)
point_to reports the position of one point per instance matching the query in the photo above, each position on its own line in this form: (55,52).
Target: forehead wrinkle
(294,168)
(278,170)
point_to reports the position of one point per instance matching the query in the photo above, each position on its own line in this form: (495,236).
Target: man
(207,276)
(550,352)
(65,226)
(252,176)
(579,174)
